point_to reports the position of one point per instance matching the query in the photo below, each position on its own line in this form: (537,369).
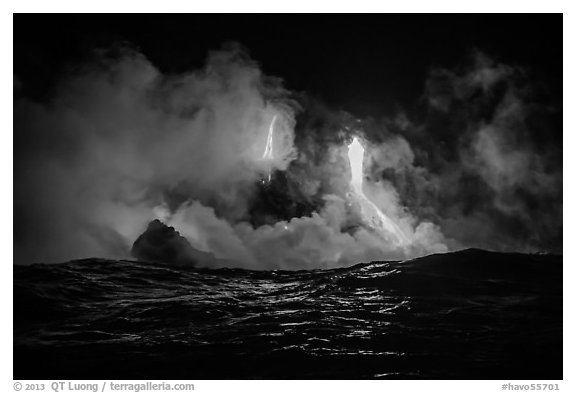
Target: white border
(315,6)
(6,166)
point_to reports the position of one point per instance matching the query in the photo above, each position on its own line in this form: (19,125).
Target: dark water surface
(471,314)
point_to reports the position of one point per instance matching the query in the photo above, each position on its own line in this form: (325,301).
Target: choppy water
(471,314)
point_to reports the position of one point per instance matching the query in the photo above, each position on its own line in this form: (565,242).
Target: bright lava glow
(269,144)
(269,141)
(378,220)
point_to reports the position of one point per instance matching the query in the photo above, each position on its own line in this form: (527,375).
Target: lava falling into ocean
(268,153)
(374,217)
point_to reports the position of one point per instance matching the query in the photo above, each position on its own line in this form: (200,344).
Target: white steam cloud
(118,134)
(120,144)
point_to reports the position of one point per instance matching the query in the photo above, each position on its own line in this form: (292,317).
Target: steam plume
(227,156)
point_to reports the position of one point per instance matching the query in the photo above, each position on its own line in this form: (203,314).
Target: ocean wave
(471,314)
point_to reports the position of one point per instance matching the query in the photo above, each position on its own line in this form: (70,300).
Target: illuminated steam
(187,149)
(121,143)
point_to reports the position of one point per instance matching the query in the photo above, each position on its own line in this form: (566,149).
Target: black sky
(368,65)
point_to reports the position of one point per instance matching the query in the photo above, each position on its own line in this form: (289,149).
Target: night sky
(461,116)
(366,64)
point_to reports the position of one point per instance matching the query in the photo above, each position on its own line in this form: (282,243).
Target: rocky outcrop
(163,244)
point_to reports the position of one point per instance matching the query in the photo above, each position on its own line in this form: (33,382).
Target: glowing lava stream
(370,211)
(269,141)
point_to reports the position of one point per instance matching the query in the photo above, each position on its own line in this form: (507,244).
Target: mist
(119,143)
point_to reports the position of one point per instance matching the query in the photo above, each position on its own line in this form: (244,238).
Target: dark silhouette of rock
(162,243)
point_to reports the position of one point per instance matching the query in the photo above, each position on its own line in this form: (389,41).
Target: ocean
(471,314)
